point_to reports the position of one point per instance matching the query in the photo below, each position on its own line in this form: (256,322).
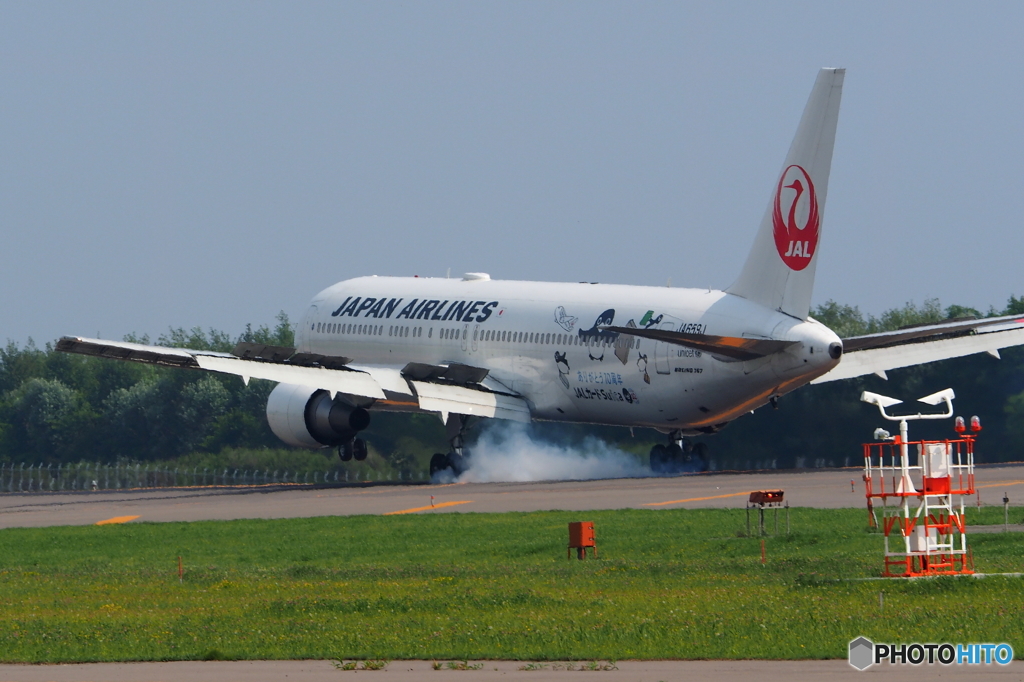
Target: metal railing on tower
(921,486)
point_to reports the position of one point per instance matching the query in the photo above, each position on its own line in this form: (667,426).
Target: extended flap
(447,399)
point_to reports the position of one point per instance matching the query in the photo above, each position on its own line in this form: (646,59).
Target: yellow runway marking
(428,508)
(694,499)
(996,485)
(117,519)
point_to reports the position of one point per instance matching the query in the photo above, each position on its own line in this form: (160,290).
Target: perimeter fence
(96,476)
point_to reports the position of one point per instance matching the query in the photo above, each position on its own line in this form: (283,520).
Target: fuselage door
(305,335)
(664,351)
(465,336)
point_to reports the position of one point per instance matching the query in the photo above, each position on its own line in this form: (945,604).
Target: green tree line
(61,408)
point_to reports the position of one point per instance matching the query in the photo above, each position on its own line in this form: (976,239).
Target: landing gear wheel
(359,449)
(700,451)
(345,451)
(658,458)
(439,462)
(673,458)
(457,463)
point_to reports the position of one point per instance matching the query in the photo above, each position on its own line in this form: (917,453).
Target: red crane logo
(796,244)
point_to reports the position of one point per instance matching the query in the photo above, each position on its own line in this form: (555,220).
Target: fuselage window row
(544,339)
(363,329)
(485,335)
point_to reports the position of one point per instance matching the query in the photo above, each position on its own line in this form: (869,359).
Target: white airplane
(682,361)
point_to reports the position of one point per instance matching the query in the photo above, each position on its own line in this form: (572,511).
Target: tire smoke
(509,453)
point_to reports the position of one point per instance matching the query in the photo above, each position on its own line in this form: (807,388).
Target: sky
(210,164)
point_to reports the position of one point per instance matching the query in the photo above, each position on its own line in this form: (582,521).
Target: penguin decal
(596,337)
(564,320)
(563,368)
(641,364)
(648,320)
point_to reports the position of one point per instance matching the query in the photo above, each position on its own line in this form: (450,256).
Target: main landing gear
(457,460)
(354,449)
(679,456)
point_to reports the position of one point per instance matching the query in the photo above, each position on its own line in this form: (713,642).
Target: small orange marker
(763,558)
(431,500)
(181,572)
(851,485)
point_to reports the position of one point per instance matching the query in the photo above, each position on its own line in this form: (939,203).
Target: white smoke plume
(508,453)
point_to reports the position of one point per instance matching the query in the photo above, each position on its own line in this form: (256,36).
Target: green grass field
(668,584)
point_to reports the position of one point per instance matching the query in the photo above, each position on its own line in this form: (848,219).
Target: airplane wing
(457,389)
(878,353)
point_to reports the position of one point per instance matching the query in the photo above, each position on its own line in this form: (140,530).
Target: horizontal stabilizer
(727,346)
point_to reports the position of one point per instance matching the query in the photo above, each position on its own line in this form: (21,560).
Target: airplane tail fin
(779,272)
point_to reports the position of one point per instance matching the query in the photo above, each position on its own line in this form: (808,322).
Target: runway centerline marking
(116,519)
(694,499)
(439,505)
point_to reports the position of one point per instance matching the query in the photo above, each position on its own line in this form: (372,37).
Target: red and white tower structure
(922,486)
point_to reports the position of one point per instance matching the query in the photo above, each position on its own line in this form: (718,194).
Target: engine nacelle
(309,418)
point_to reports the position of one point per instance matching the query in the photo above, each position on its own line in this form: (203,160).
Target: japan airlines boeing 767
(682,361)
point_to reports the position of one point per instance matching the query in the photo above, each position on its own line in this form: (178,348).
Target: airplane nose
(835,350)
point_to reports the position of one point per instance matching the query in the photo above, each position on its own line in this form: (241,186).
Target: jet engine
(308,417)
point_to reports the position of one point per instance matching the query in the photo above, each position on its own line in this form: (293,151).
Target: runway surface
(803,488)
(407,671)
